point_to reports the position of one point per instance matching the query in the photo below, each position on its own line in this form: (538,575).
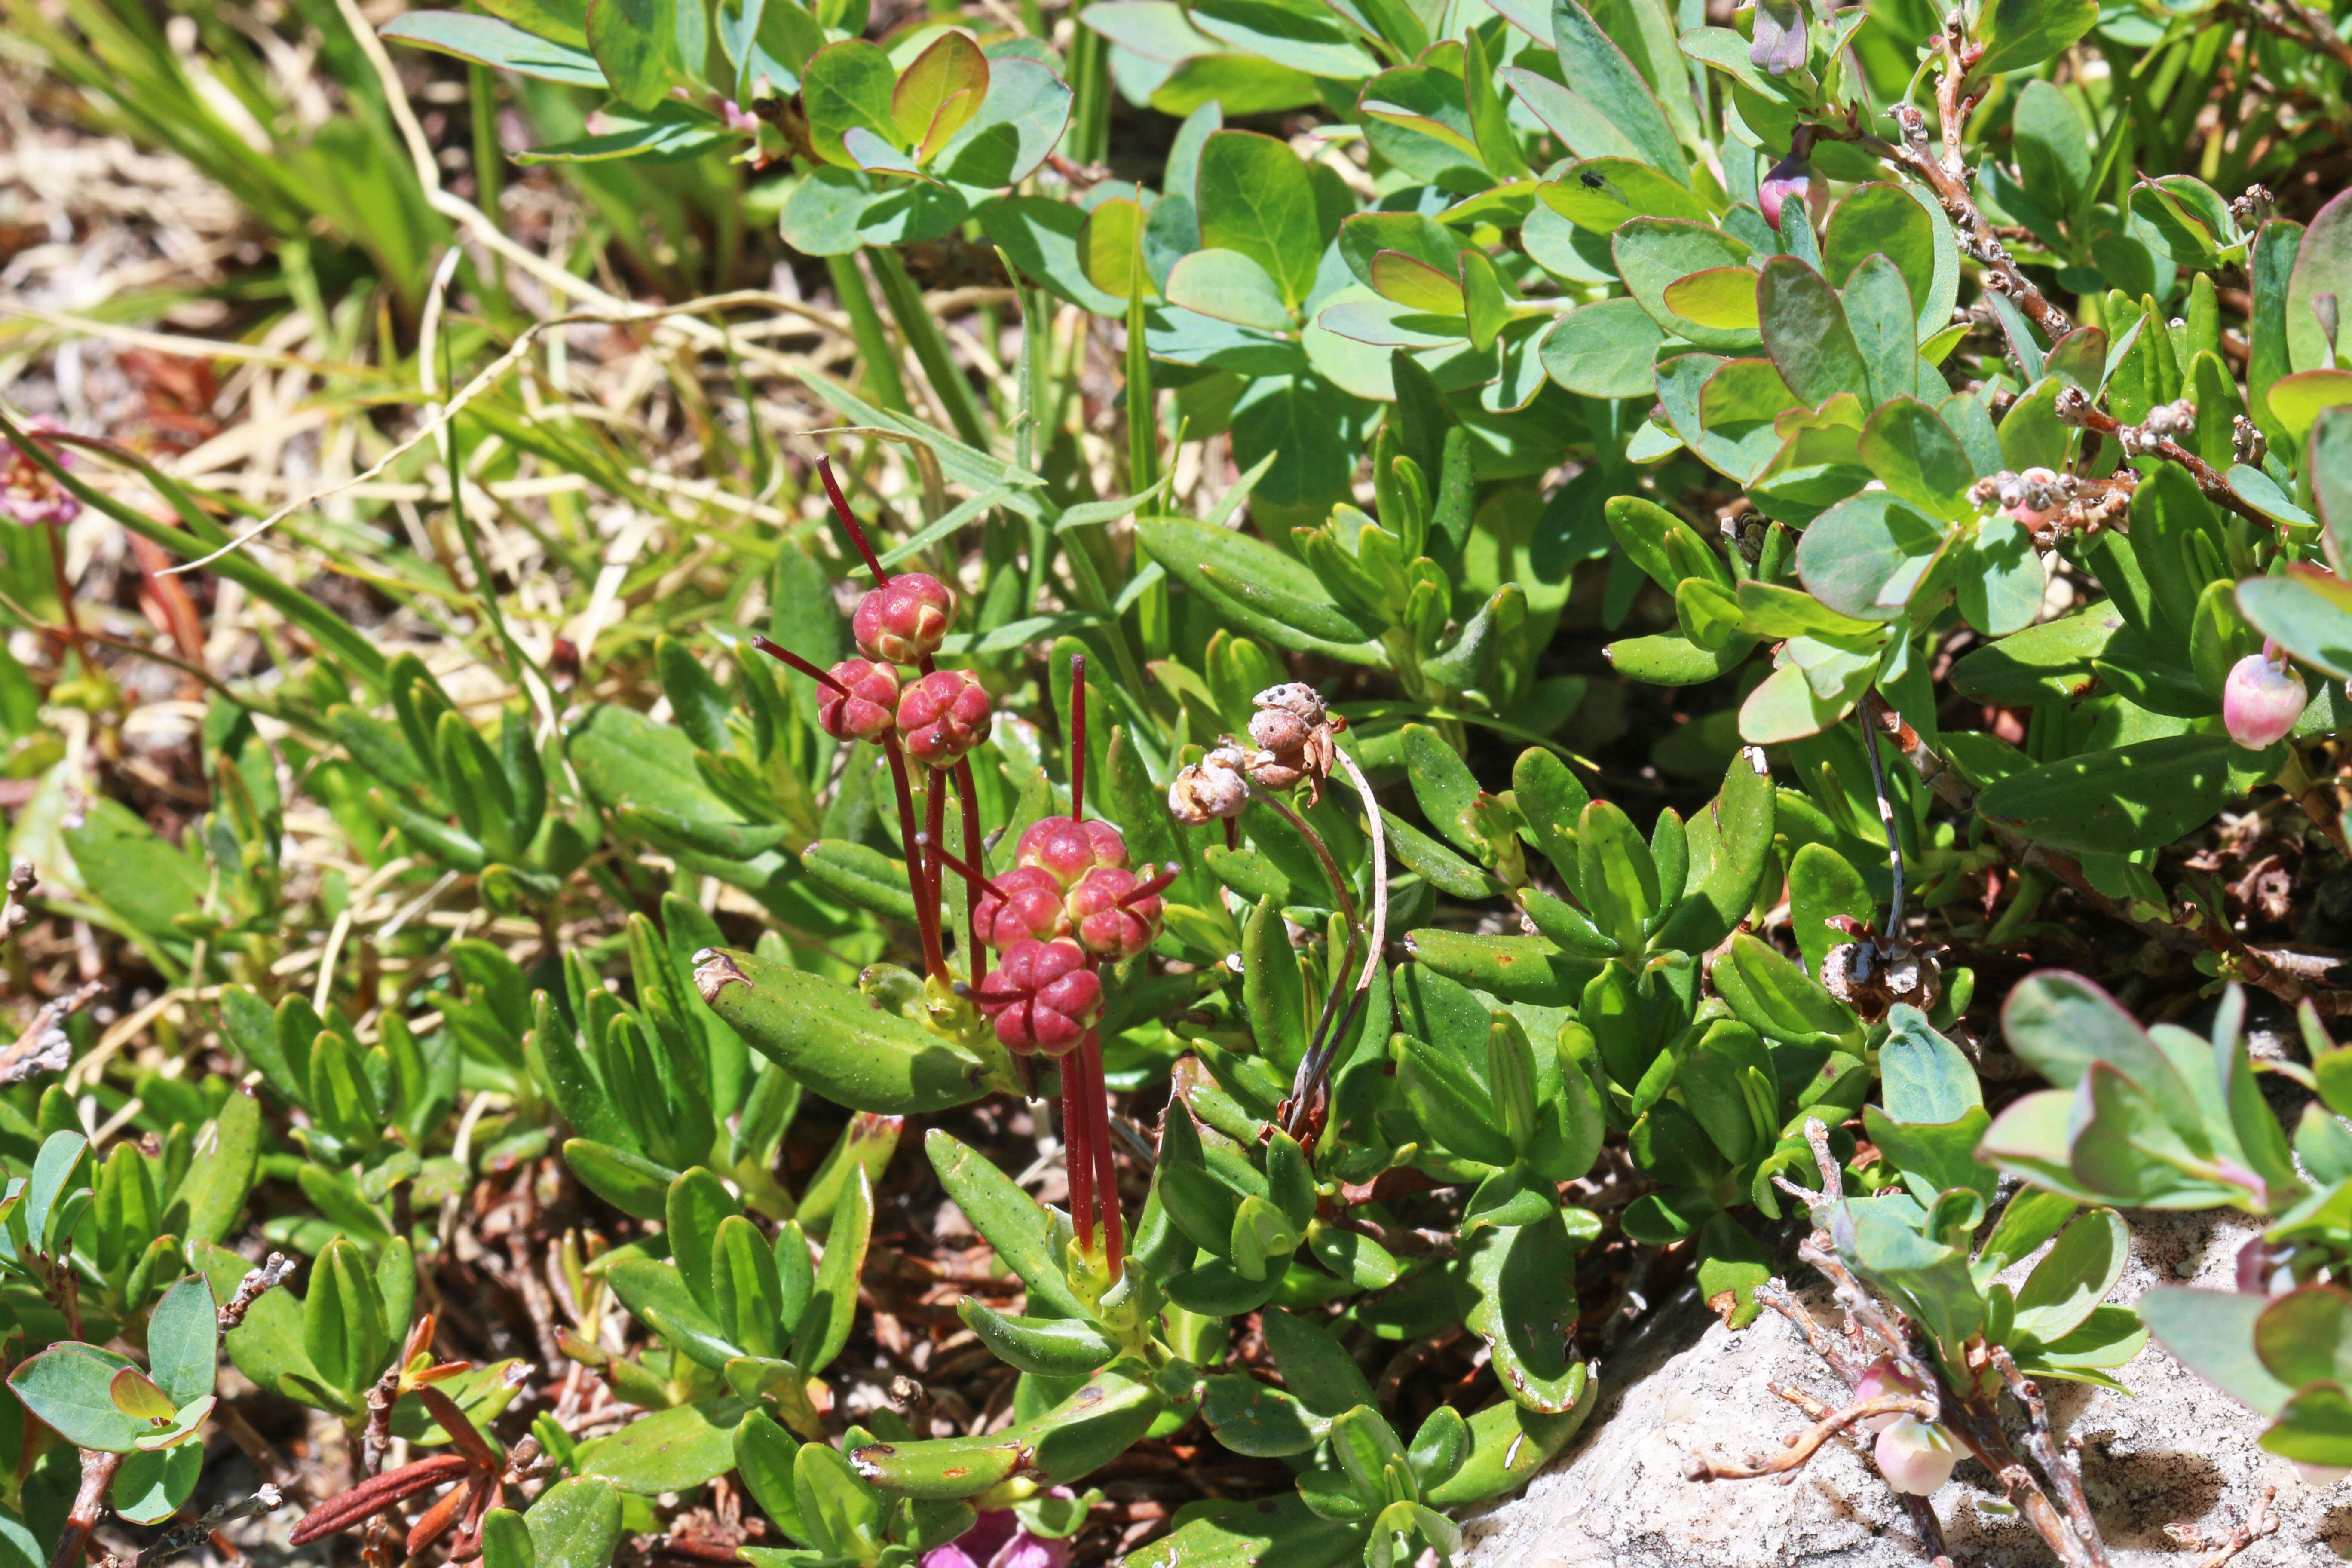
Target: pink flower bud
(1883,1379)
(1042,997)
(903,621)
(942,716)
(869,708)
(1914,1456)
(1031,908)
(2262,699)
(1069,849)
(1111,922)
(1790,179)
(27,494)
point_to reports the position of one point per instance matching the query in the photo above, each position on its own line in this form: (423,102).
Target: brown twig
(88,1507)
(14,909)
(2263,1523)
(2055,1462)
(1803,1446)
(44,1047)
(274,1271)
(192,1533)
(2075,408)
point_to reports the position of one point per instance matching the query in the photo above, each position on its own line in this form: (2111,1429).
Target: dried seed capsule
(1030,910)
(1113,922)
(1209,789)
(867,708)
(903,621)
(1042,997)
(1069,848)
(942,716)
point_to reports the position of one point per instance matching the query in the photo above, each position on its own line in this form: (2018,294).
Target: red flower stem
(849,521)
(935,827)
(1106,1169)
(775,650)
(1077,1154)
(964,869)
(968,802)
(57,533)
(1158,884)
(1078,737)
(925,911)
(1233,833)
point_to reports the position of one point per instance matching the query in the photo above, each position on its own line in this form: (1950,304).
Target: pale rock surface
(2180,1452)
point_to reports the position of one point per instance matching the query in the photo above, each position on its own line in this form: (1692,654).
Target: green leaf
(838,1043)
(2073,1276)
(1235,570)
(1523,1275)
(2323,264)
(1925,1077)
(2314,1428)
(844,1511)
(940,90)
(833,1309)
(1008,1219)
(1024,115)
(1043,1347)
(764,1453)
(70,1387)
(2134,797)
(1805,331)
(2308,611)
(1252,1418)
(671,1450)
(343,1329)
(646,46)
(2017,34)
(1931,1280)
(1514,968)
(1908,446)
(1228,286)
(1094,1425)
(1247,1534)
(1255,198)
(1651,254)
(153,1486)
(622,1177)
(861,875)
(184,1341)
(1597,71)
(1451,1106)
(2214,1333)
(505,1541)
(500,45)
(1861,557)
(848,86)
(1605,348)
(220,1175)
(1314,1369)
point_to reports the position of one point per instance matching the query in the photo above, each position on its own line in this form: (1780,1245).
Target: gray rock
(2180,1452)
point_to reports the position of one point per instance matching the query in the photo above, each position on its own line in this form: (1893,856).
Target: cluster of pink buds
(1069,905)
(29,494)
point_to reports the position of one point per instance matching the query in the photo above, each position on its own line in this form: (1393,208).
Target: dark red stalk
(849,521)
(1233,833)
(969,803)
(1158,884)
(1105,1171)
(925,911)
(1077,1151)
(774,651)
(964,869)
(1078,737)
(935,828)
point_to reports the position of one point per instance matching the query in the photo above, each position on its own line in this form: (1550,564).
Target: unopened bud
(943,716)
(1914,1456)
(1884,1378)
(1209,789)
(1111,921)
(1042,997)
(2262,699)
(1068,849)
(904,621)
(1030,910)
(866,707)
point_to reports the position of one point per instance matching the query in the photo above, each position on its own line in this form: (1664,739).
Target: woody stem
(849,521)
(935,819)
(925,911)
